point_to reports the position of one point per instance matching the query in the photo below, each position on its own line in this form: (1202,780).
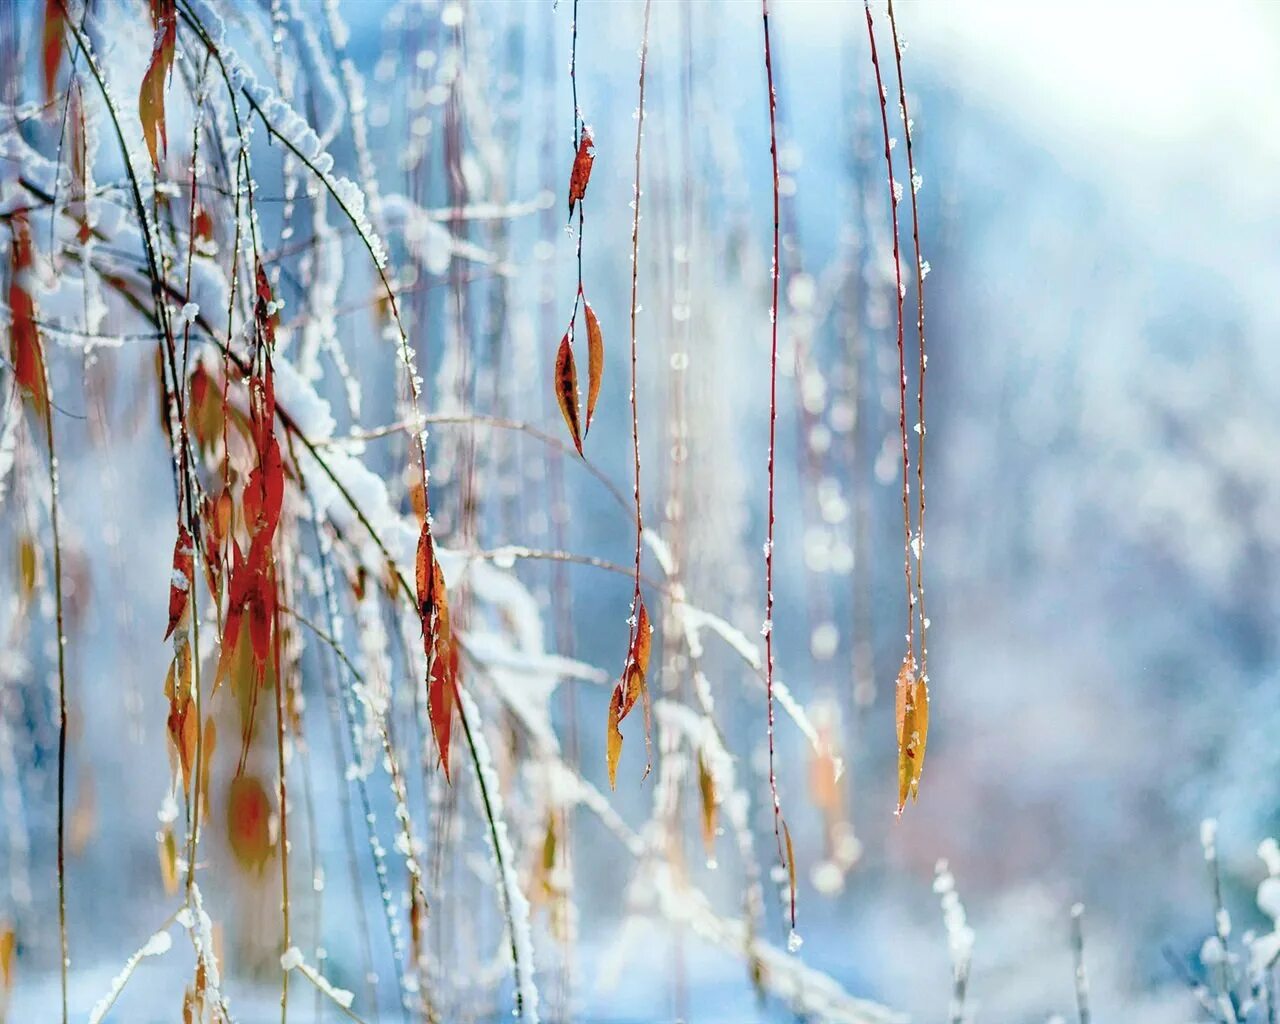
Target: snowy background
(1100,220)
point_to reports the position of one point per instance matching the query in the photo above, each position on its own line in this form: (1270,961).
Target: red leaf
(151,94)
(182,580)
(595,361)
(425,577)
(264,492)
(437,643)
(581,173)
(443,679)
(566,381)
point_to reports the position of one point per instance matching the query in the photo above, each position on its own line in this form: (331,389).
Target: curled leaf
(567,390)
(581,173)
(595,361)
(151,94)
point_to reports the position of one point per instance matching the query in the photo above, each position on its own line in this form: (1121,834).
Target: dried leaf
(567,390)
(581,173)
(181,580)
(248,816)
(595,361)
(912,717)
(151,94)
(707,791)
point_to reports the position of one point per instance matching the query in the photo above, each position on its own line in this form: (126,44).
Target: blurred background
(1099,217)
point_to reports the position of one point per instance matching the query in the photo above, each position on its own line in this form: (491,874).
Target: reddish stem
(773,423)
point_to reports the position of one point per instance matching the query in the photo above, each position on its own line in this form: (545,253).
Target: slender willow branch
(924,360)
(778,824)
(499,423)
(902,365)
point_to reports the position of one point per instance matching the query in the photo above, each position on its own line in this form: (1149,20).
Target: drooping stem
(635,414)
(65,959)
(284,824)
(914,184)
(902,363)
(773,430)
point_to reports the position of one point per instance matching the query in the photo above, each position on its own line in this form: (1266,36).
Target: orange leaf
(912,719)
(581,173)
(437,643)
(567,390)
(151,94)
(595,361)
(440,697)
(613,736)
(631,688)
(54,22)
(248,813)
(182,579)
(8,943)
